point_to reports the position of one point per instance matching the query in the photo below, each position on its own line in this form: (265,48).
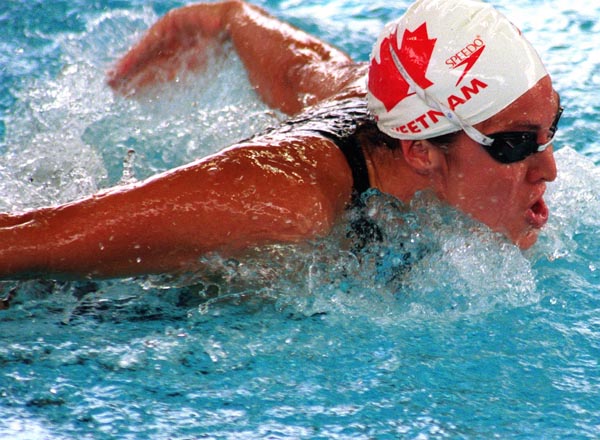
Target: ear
(422,156)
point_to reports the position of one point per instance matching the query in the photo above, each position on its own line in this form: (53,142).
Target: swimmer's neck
(390,173)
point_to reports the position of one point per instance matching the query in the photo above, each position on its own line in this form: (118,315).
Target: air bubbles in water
(67,136)
(128,175)
(421,261)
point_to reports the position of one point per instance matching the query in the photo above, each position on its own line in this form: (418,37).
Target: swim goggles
(504,147)
(515,146)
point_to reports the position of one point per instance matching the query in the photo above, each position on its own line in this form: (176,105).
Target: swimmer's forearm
(18,254)
(226,203)
(288,67)
(137,230)
(159,51)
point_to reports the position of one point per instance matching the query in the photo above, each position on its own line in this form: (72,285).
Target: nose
(542,166)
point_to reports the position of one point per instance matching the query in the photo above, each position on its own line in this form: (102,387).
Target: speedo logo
(467,57)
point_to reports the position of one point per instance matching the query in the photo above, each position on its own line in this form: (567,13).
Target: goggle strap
(471,131)
(541,148)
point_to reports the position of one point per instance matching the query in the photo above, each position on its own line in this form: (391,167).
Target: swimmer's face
(506,197)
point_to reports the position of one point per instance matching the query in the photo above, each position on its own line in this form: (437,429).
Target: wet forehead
(534,110)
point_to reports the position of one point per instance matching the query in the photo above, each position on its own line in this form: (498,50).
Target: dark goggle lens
(511,147)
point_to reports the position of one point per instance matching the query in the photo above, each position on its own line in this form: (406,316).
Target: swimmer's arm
(288,67)
(238,198)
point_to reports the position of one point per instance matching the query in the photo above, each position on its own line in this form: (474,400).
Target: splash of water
(429,260)
(67,136)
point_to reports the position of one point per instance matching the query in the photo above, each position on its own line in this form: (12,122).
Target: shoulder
(298,152)
(304,175)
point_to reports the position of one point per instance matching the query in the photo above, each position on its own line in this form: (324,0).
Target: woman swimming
(454,101)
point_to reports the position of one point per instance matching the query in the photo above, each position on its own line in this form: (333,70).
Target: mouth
(537,214)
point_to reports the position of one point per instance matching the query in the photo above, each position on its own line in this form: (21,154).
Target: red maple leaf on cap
(386,83)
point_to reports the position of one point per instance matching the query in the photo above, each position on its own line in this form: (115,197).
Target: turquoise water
(477,340)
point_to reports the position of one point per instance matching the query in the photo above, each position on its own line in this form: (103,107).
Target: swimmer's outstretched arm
(248,195)
(289,68)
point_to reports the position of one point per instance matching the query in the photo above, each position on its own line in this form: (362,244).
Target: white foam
(67,136)
(574,202)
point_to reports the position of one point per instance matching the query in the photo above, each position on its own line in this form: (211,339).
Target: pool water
(476,340)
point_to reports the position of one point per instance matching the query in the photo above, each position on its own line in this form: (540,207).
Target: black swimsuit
(338,121)
(341,122)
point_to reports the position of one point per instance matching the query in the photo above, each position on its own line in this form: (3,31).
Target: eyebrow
(534,126)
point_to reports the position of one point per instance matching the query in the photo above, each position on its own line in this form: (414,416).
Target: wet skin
(269,189)
(506,197)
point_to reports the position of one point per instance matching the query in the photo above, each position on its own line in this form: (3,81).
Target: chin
(528,239)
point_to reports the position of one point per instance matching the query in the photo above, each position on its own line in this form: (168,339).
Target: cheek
(482,184)
(499,190)
(486,194)
(482,187)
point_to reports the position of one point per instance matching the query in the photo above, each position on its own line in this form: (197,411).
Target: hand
(182,40)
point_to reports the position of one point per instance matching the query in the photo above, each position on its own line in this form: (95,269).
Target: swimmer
(454,101)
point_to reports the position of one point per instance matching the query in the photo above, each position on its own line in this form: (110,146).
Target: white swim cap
(447,64)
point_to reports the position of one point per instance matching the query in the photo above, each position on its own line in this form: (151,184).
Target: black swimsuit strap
(358,165)
(340,122)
